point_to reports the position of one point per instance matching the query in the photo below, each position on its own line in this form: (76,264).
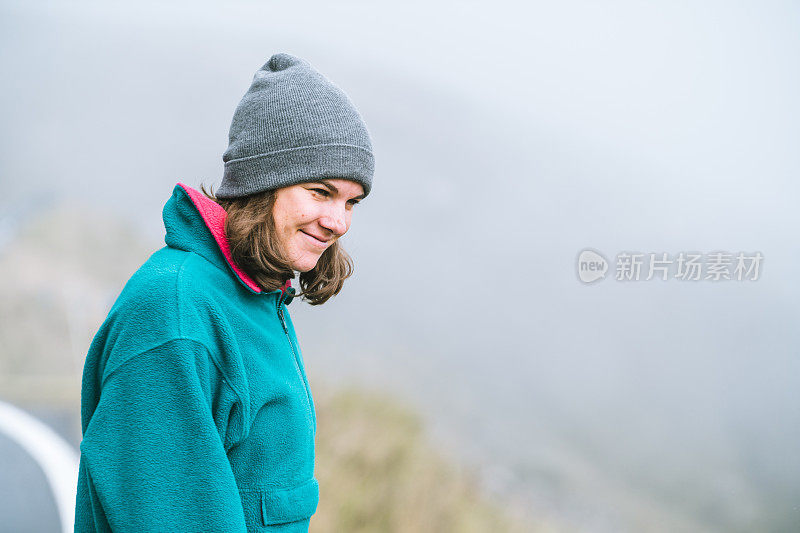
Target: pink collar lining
(214,217)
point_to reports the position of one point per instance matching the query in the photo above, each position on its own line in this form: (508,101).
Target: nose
(335,220)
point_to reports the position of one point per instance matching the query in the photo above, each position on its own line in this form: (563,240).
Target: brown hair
(249,227)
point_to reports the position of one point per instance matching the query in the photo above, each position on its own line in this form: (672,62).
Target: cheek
(288,220)
(299,213)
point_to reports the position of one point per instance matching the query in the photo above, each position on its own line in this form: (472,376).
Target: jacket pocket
(279,506)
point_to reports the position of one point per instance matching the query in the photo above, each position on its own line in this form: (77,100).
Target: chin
(305,265)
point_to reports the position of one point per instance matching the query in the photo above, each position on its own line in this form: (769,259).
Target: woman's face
(309,217)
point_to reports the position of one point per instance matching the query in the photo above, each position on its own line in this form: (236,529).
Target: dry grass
(377,473)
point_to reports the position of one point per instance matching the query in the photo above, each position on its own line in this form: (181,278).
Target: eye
(322,192)
(353,202)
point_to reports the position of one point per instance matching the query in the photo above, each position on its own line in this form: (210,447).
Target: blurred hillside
(377,472)
(61,268)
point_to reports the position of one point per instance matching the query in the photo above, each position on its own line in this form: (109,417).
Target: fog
(508,137)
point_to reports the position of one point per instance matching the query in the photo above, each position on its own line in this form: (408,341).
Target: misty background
(508,137)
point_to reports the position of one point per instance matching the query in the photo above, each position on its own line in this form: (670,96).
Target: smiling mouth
(315,240)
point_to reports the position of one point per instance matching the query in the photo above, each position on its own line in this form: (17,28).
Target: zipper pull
(283,322)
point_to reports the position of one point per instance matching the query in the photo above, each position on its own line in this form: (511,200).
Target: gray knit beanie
(292,126)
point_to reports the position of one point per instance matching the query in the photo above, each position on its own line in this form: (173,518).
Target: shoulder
(175,294)
(168,280)
(152,289)
(153,305)
(178,293)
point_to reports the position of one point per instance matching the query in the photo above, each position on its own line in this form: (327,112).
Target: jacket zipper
(296,359)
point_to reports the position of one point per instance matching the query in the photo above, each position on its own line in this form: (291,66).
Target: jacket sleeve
(152,458)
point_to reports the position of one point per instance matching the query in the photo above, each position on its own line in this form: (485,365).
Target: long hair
(250,230)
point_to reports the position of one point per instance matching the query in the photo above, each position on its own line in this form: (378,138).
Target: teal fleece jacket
(196,410)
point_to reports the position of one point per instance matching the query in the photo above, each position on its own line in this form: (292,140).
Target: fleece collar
(214,217)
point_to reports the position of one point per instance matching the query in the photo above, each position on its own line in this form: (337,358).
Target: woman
(196,410)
